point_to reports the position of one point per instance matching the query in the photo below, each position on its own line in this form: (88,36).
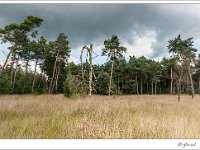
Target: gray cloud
(93,23)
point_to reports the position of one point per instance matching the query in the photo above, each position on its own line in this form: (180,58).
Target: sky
(144,29)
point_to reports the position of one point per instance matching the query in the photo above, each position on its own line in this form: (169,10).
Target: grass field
(54,116)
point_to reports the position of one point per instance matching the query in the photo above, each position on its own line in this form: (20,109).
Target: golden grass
(54,116)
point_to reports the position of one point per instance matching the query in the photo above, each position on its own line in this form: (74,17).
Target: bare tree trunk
(82,71)
(152,87)
(199,85)
(141,86)
(34,75)
(26,72)
(13,86)
(15,74)
(179,89)
(155,87)
(41,78)
(171,90)
(188,83)
(91,71)
(147,87)
(109,90)
(12,65)
(191,81)
(136,78)
(179,86)
(39,83)
(14,79)
(57,76)
(160,88)
(118,82)
(54,83)
(54,71)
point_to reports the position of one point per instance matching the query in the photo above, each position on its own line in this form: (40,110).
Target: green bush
(102,83)
(73,86)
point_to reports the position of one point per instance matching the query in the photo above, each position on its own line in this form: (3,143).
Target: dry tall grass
(54,116)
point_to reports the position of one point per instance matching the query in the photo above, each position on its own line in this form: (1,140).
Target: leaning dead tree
(91,72)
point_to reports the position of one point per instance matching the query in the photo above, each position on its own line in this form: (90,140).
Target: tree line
(36,65)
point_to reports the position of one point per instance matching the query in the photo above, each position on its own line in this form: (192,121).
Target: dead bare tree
(17,67)
(90,51)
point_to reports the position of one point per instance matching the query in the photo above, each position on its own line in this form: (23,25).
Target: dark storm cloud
(93,23)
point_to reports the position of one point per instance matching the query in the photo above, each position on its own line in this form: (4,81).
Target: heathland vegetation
(135,116)
(52,73)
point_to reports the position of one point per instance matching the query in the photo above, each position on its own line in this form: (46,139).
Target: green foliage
(5,82)
(129,87)
(183,50)
(73,86)
(18,33)
(102,83)
(23,83)
(61,45)
(55,58)
(113,49)
(179,45)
